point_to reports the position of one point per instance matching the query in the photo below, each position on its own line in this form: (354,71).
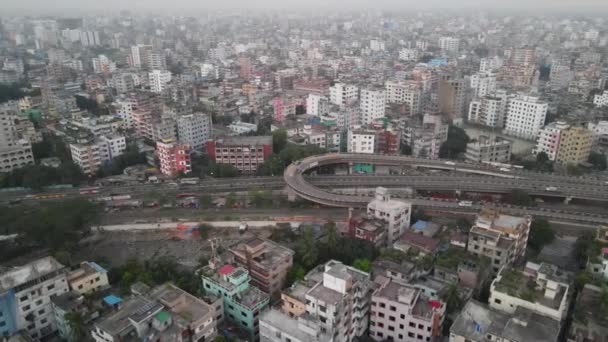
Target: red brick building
(244,153)
(174,157)
(371,230)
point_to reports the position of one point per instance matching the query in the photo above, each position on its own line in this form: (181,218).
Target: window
(25,308)
(41,312)
(50,287)
(23,299)
(391,328)
(497,301)
(380,314)
(411,334)
(401,326)
(402,316)
(412,325)
(391,318)
(392,308)
(419,337)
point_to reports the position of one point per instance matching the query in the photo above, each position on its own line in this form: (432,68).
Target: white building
(89,38)
(194,130)
(343,94)
(372,104)
(449,44)
(239,127)
(489,110)
(25,297)
(317,105)
(158,79)
(361,141)
(601,100)
(102,64)
(482,83)
(403,92)
(403,313)
(91,155)
(408,55)
(489,149)
(15,152)
(548,139)
(376,45)
(490,64)
(542,288)
(396,213)
(598,130)
(525,116)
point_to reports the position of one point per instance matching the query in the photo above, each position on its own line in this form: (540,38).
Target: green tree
(308,249)
(542,158)
(222,170)
(362,264)
(77,325)
(452,298)
(406,149)
(331,234)
(541,234)
(598,160)
(231,200)
(521,198)
(10,92)
(573,170)
(203,230)
(455,144)
(296,273)
(279,140)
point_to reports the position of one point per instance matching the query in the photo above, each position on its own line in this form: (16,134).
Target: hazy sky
(85,5)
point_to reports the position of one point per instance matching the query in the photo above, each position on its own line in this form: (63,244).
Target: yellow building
(574,145)
(89,277)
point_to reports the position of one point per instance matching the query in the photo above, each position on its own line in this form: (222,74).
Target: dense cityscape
(303,176)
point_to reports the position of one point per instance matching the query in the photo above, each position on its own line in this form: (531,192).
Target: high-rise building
(317,105)
(565,144)
(174,157)
(408,93)
(25,297)
(245,67)
(452,97)
(404,313)
(449,44)
(361,141)
(489,149)
(15,152)
(158,80)
(267,263)
(244,153)
(89,38)
(91,154)
(601,100)
(396,213)
(502,238)
(525,116)
(194,130)
(482,83)
(343,94)
(489,110)
(103,65)
(427,137)
(372,103)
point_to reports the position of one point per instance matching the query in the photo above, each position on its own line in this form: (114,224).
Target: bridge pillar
(291,195)
(567,200)
(350,168)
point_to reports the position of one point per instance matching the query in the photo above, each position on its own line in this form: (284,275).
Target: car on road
(551,188)
(465,204)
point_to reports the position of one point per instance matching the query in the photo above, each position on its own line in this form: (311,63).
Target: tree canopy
(38,176)
(521,198)
(455,144)
(598,160)
(541,234)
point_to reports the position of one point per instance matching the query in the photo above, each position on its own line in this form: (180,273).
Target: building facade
(361,141)
(244,153)
(158,80)
(194,130)
(489,149)
(173,157)
(91,155)
(88,277)
(525,116)
(372,104)
(396,213)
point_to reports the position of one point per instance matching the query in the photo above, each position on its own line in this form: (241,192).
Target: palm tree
(308,248)
(76,323)
(452,297)
(331,237)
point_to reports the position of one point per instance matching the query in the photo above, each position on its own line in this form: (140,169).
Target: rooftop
(507,224)
(291,325)
(32,271)
(252,297)
(182,304)
(265,253)
(407,294)
(477,320)
(419,241)
(86,269)
(68,301)
(245,140)
(325,294)
(118,322)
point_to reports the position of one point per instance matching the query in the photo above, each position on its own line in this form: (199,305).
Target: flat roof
(245,140)
(23,274)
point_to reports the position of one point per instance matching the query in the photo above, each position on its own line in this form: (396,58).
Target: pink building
(174,157)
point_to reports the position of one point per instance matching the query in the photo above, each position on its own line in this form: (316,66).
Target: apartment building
(166,313)
(402,312)
(409,55)
(243,303)
(396,213)
(589,323)
(564,143)
(426,138)
(479,322)
(174,157)
(502,238)
(158,80)
(408,93)
(342,94)
(317,105)
(244,153)
(194,130)
(489,149)
(452,97)
(598,261)
(88,277)
(369,229)
(361,141)
(599,130)
(482,84)
(601,100)
(542,288)
(15,152)
(25,297)
(89,155)
(267,263)
(449,44)
(525,116)
(372,103)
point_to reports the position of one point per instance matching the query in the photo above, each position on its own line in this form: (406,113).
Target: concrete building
(194,130)
(589,323)
(245,68)
(396,213)
(15,152)
(452,97)
(158,80)
(489,149)
(243,303)
(342,94)
(88,277)
(267,263)
(244,153)
(564,143)
(404,93)
(542,288)
(426,138)
(599,130)
(25,297)
(239,127)
(317,105)
(478,322)
(91,154)
(482,84)
(525,116)
(601,100)
(502,238)
(67,303)
(278,326)
(449,44)
(174,157)
(372,104)
(402,312)
(597,262)
(409,55)
(166,313)
(361,141)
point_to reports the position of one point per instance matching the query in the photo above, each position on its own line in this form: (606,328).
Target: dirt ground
(117,247)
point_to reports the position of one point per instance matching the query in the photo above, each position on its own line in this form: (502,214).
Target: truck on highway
(465,204)
(551,188)
(190,181)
